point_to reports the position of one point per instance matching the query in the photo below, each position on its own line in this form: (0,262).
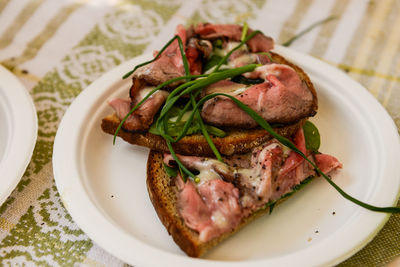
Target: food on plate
(226,119)
(279,90)
(227,195)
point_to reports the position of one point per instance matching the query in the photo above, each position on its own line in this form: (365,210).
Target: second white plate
(103,186)
(18,131)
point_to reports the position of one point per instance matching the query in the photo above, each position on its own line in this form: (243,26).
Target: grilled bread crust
(237,141)
(162,193)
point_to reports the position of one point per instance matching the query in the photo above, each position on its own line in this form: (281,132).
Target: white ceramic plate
(103,186)
(18,131)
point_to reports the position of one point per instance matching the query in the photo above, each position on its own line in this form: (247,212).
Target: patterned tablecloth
(57,48)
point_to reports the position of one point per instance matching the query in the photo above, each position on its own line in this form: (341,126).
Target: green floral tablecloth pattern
(80,40)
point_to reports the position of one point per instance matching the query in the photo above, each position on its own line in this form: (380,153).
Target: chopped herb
(271,207)
(217,43)
(171,172)
(312,137)
(244,31)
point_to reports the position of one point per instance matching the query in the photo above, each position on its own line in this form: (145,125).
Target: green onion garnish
(313,139)
(306,30)
(212,78)
(244,31)
(204,131)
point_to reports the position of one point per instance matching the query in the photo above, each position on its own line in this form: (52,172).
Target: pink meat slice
(282,98)
(211,208)
(168,66)
(327,163)
(257,188)
(142,118)
(222,200)
(224,86)
(296,169)
(192,208)
(214,31)
(294,159)
(216,206)
(259,43)
(190,162)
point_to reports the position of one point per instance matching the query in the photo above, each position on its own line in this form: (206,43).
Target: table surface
(57,48)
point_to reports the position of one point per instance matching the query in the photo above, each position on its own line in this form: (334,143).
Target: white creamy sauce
(252,176)
(222,67)
(286,151)
(185,117)
(144,91)
(230,45)
(242,60)
(239,90)
(272,146)
(206,172)
(219,219)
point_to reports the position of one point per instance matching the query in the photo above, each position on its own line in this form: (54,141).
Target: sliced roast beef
(211,208)
(169,64)
(215,31)
(196,51)
(226,194)
(222,200)
(327,163)
(224,86)
(161,70)
(294,159)
(192,208)
(239,161)
(142,118)
(256,186)
(294,170)
(282,98)
(259,43)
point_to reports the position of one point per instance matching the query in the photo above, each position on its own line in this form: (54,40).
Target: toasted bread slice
(237,141)
(162,193)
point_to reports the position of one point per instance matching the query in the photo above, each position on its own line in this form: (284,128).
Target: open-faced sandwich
(226,120)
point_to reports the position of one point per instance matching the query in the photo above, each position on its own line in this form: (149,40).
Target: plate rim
(24,122)
(111,78)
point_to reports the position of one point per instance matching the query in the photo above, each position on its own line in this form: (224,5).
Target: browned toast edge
(162,193)
(236,142)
